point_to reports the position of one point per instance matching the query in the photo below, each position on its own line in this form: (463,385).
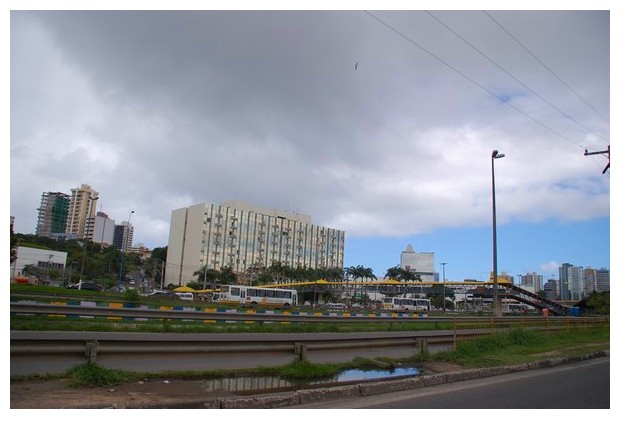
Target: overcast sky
(161,110)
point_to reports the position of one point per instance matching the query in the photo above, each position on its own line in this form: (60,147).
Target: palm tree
(394,273)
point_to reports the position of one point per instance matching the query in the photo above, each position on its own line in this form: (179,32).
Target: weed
(93,375)
(304,370)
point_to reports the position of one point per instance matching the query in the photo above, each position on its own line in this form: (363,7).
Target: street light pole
(123,246)
(497,308)
(443,267)
(90,201)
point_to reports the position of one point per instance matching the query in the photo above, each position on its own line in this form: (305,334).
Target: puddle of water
(257,384)
(362,375)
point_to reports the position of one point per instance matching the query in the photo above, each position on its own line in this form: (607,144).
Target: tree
(436,294)
(394,273)
(400,274)
(13,246)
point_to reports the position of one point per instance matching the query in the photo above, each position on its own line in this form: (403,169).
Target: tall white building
(82,207)
(242,236)
(576,283)
(103,229)
(422,262)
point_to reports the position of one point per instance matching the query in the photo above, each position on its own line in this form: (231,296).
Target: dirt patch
(54,394)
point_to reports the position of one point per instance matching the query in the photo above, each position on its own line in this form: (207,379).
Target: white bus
(406,304)
(250,295)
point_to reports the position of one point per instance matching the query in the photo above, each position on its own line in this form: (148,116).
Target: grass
(514,347)
(44,323)
(520,346)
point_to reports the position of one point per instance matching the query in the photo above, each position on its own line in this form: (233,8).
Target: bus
(251,295)
(512,308)
(406,304)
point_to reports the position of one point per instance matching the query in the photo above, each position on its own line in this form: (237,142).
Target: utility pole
(49,263)
(161,280)
(443,266)
(601,152)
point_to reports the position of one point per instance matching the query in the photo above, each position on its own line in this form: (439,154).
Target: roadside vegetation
(513,347)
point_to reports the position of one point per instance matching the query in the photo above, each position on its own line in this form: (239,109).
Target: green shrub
(132,296)
(93,375)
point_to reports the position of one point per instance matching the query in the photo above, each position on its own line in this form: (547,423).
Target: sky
(379,122)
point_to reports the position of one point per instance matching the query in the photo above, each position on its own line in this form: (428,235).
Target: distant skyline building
(82,207)
(550,288)
(602,280)
(103,229)
(243,236)
(589,281)
(53,212)
(564,282)
(532,281)
(576,283)
(422,262)
(123,236)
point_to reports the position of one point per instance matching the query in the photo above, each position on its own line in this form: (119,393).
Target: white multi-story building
(422,262)
(103,229)
(576,283)
(243,236)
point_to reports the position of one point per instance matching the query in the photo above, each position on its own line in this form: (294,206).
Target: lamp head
(497,155)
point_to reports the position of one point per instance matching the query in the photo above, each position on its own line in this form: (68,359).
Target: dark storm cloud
(159,109)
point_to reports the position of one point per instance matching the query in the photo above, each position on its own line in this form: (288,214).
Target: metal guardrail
(87,345)
(208,314)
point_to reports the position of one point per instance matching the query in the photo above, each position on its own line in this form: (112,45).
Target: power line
(473,81)
(516,79)
(545,66)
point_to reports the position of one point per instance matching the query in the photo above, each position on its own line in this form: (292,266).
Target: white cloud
(173,109)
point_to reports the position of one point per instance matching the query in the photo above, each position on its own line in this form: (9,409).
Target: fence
(468,329)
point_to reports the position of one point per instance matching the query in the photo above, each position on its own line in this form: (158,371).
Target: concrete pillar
(91,351)
(301,351)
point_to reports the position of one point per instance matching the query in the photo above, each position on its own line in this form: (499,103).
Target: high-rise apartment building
(602,280)
(103,229)
(532,282)
(422,262)
(564,282)
(589,281)
(53,213)
(82,207)
(123,236)
(576,283)
(551,287)
(243,236)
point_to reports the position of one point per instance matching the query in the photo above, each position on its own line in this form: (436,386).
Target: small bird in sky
(356,64)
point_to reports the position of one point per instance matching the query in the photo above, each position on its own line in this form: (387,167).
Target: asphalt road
(581,385)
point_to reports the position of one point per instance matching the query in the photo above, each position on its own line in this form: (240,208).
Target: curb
(368,388)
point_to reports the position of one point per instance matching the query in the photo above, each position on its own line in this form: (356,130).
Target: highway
(575,386)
